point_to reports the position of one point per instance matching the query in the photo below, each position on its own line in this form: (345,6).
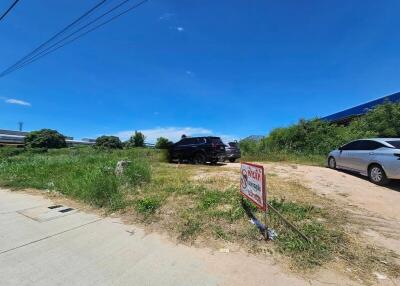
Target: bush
(311,138)
(382,121)
(163,143)
(8,151)
(109,142)
(45,138)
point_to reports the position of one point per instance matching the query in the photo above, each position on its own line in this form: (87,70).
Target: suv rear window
(232,144)
(395,144)
(214,140)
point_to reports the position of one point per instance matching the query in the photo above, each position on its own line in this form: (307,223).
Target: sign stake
(289,223)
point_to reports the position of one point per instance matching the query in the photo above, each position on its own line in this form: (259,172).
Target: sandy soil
(375,210)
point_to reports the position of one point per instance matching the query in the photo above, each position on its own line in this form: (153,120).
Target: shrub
(163,143)
(109,142)
(382,121)
(8,151)
(310,138)
(45,138)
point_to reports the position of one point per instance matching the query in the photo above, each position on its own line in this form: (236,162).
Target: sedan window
(395,144)
(351,146)
(369,145)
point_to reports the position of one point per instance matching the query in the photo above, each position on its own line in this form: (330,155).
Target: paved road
(42,246)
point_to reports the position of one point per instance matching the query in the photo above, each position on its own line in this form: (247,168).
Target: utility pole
(20,124)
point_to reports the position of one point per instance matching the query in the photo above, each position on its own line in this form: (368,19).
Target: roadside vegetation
(201,205)
(309,141)
(198,205)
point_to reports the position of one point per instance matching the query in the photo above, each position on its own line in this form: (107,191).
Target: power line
(55,36)
(9,9)
(51,50)
(54,46)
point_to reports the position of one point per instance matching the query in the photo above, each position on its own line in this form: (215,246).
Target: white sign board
(252,184)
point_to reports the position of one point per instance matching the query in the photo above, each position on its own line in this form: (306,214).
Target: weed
(147,206)
(190,229)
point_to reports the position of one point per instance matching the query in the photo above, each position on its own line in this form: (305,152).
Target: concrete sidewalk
(40,246)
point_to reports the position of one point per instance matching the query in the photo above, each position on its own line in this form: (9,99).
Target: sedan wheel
(332,163)
(377,175)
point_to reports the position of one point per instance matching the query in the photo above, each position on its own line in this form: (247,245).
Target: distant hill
(254,137)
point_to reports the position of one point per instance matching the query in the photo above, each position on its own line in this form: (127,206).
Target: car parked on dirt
(198,150)
(232,151)
(377,158)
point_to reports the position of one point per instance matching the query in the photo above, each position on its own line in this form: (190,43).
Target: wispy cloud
(180,29)
(189,73)
(16,101)
(173,133)
(166,16)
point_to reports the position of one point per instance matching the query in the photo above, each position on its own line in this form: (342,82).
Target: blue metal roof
(362,109)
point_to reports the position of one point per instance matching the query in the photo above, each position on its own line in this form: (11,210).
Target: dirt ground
(375,210)
(374,213)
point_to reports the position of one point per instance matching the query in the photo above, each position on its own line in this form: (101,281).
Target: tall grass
(82,173)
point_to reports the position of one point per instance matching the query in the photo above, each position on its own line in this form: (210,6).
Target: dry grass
(201,205)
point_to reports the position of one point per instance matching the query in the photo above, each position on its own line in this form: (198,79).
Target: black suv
(232,152)
(198,150)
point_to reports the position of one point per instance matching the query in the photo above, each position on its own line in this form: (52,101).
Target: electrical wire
(8,10)
(54,47)
(83,16)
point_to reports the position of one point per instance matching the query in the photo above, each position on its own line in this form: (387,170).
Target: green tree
(163,143)
(109,142)
(45,138)
(138,139)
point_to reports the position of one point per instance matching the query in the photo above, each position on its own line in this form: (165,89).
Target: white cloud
(172,133)
(189,73)
(166,16)
(180,29)
(17,101)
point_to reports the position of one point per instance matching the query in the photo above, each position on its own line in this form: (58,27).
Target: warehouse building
(16,138)
(346,116)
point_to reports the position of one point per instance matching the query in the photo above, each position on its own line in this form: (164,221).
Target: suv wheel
(232,160)
(332,163)
(377,175)
(199,158)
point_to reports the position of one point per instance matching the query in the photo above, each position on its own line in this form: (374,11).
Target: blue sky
(230,68)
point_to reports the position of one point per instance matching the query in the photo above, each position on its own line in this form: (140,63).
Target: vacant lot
(201,205)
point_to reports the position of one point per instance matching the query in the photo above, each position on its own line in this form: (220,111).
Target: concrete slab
(46,213)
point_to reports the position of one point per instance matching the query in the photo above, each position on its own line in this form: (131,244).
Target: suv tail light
(397,155)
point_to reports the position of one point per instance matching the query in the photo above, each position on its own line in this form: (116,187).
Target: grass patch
(82,173)
(147,206)
(199,204)
(189,229)
(306,159)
